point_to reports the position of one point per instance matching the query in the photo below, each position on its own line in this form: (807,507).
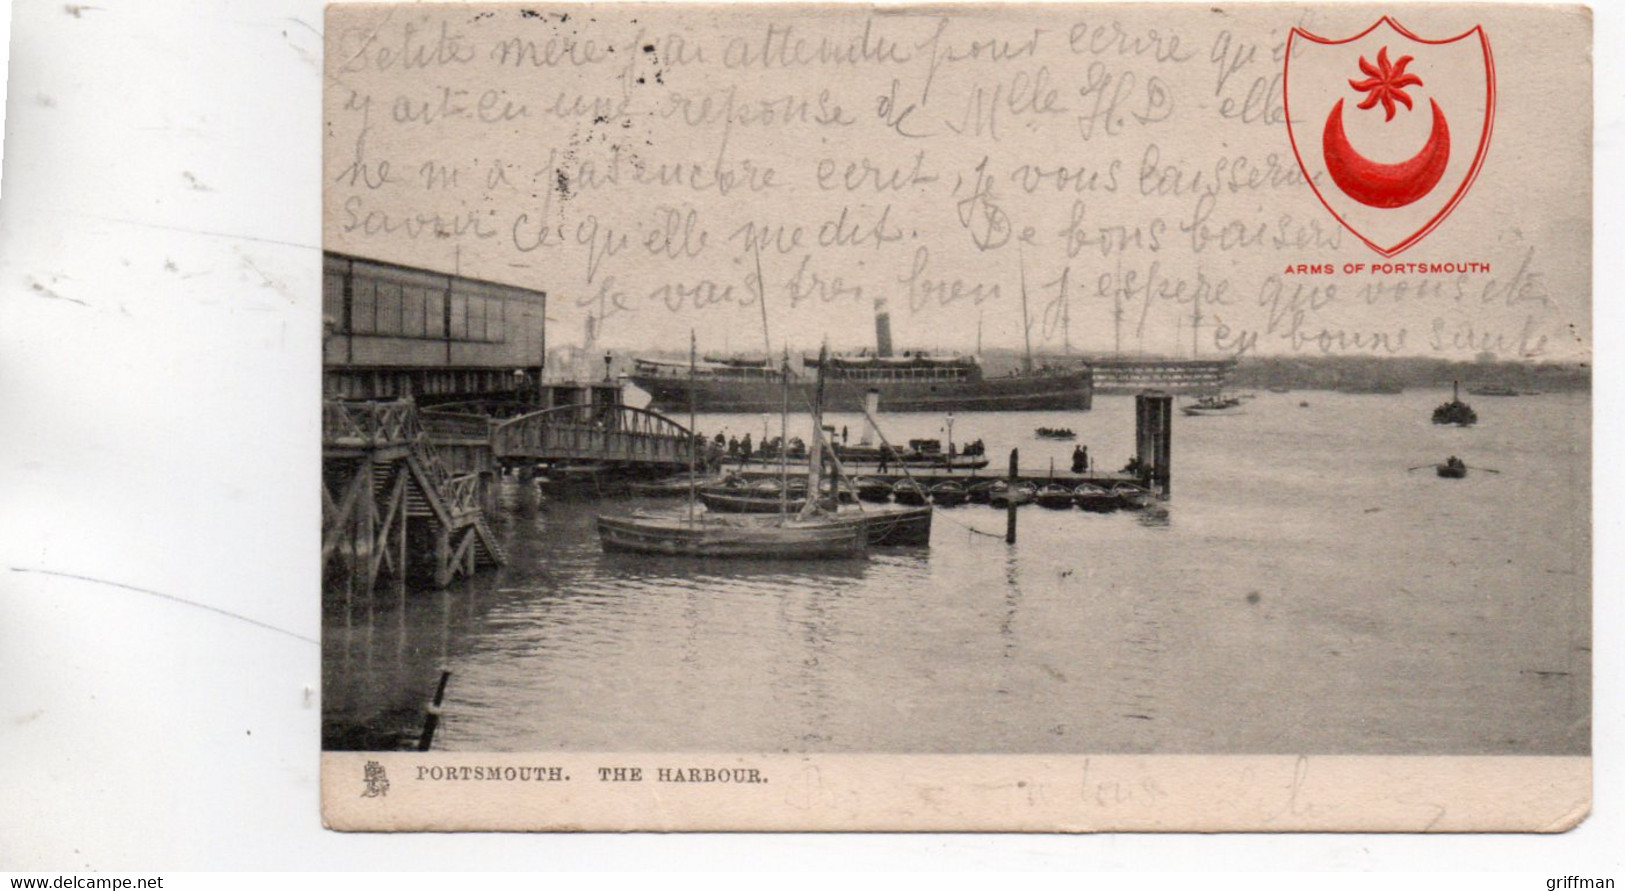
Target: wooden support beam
(442,556)
(335,532)
(461,562)
(364,531)
(396,502)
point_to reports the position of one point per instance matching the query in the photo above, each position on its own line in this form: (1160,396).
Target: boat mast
(1117,322)
(1066,313)
(815,450)
(784,439)
(1026,323)
(761,298)
(1196,325)
(693,349)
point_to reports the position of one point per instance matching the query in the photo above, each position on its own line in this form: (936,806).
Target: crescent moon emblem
(1376,184)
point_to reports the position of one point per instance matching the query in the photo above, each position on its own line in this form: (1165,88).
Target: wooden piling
(1010,511)
(1153,438)
(431,719)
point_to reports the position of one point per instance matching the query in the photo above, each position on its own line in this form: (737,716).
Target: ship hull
(1054,392)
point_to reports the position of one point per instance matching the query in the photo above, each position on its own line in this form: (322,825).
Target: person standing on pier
(1078,459)
(745,447)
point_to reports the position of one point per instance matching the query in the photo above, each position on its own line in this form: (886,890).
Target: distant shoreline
(1301,372)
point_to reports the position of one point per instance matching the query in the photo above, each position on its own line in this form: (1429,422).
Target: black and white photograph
(717,382)
(809,435)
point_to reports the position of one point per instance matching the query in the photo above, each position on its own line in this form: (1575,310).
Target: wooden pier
(392,507)
(433,388)
(1153,439)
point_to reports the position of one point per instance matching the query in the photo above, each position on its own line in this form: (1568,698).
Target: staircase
(383,475)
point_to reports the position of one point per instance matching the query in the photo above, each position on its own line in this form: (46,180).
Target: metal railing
(368,424)
(610,433)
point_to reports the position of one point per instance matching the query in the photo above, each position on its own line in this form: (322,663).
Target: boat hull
(892,525)
(889,525)
(1054,500)
(745,503)
(668,488)
(710,539)
(1050,392)
(1017,495)
(1096,500)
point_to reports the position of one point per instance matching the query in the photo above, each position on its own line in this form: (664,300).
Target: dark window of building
(363,308)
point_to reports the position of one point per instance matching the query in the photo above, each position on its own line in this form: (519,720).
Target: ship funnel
(882,328)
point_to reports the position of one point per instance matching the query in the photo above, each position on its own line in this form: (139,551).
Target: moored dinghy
(1003,494)
(980,493)
(1054,495)
(1133,497)
(907,491)
(1095,499)
(873,490)
(949,494)
(752,501)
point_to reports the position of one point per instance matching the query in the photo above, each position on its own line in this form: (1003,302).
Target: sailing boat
(1214,404)
(882,524)
(807,534)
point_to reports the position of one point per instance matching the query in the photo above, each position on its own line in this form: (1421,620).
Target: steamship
(915,381)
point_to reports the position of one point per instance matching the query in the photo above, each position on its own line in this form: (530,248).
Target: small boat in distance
(1455,411)
(1499,390)
(1452,469)
(1213,404)
(1055,433)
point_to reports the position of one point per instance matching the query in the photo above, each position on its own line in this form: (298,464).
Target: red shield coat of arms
(1390,128)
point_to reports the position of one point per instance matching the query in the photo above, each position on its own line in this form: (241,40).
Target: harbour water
(1301,592)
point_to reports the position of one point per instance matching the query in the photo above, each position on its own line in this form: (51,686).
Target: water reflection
(1155,517)
(1095,632)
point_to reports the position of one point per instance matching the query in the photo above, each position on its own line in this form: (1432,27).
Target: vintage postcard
(957,417)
